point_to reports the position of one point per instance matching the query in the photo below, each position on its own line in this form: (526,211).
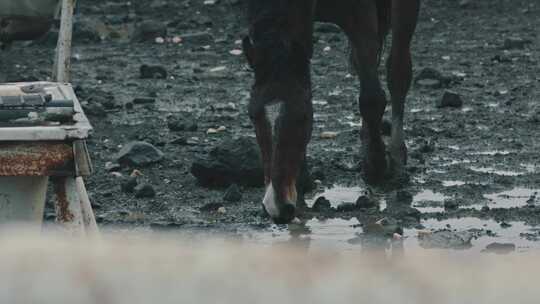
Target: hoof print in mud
(231,162)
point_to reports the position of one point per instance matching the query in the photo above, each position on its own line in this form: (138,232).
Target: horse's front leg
(361,24)
(404,18)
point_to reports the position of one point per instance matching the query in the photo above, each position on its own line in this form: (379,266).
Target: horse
(279,48)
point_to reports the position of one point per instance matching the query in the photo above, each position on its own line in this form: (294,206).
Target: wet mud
(171,73)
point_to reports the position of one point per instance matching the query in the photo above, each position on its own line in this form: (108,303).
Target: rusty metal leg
(22,200)
(68,205)
(89,219)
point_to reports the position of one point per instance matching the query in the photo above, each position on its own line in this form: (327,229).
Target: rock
(431,78)
(165,225)
(112,167)
(234,161)
(128,184)
(232,194)
(500,248)
(451,204)
(446,239)
(347,207)
(505,225)
(321,204)
(181,123)
(144,191)
(451,99)
(364,202)
(211,207)
(138,153)
(149,31)
(202,38)
(94,109)
(85,32)
(516,43)
(152,72)
(328,135)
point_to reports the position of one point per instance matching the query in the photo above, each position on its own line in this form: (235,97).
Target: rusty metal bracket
(36,159)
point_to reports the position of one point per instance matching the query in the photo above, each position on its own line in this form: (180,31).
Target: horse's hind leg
(404,18)
(360,23)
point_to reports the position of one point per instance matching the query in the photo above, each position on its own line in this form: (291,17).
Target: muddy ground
(483,153)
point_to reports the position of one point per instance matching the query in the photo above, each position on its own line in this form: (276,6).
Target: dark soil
(486,52)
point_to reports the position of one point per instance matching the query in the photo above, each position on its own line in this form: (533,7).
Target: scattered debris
(328,135)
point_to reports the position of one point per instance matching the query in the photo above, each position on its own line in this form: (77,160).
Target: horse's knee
(372,102)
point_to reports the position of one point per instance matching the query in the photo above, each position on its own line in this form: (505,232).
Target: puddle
(330,234)
(454,162)
(452,183)
(491,153)
(529,167)
(338,234)
(347,234)
(517,197)
(491,170)
(512,234)
(424,201)
(338,195)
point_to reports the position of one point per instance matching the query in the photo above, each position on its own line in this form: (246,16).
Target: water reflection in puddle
(491,170)
(338,195)
(451,183)
(328,233)
(517,197)
(347,234)
(424,201)
(492,153)
(512,234)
